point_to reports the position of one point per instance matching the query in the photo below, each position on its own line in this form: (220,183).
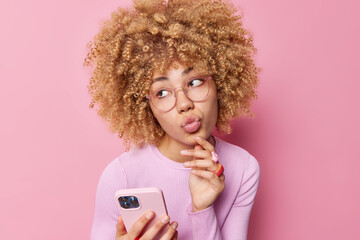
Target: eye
(162,93)
(196,82)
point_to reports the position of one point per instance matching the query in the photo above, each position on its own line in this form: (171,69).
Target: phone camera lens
(134,203)
(128,202)
(126,205)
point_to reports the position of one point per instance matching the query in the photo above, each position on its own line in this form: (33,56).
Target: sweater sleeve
(106,208)
(204,223)
(236,223)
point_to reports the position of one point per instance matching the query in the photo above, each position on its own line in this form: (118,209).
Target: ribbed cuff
(204,223)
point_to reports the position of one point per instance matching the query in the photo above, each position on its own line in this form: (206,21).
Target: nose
(183,103)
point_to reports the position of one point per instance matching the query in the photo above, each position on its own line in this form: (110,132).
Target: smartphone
(134,202)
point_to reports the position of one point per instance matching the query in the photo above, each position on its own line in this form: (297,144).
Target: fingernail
(183,151)
(149,215)
(187,163)
(175,225)
(165,219)
(198,138)
(214,157)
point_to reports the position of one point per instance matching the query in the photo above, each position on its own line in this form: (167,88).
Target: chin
(191,137)
(189,141)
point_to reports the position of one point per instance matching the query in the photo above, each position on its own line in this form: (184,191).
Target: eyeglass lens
(164,98)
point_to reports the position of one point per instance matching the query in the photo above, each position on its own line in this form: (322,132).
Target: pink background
(305,134)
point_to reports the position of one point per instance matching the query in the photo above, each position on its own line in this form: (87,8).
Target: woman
(167,74)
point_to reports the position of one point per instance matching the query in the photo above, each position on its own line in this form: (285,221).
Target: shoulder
(123,159)
(240,166)
(113,175)
(126,163)
(235,155)
(242,172)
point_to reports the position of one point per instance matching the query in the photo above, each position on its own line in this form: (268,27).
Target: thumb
(120,228)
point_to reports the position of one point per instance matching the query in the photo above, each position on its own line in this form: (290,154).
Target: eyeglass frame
(175,90)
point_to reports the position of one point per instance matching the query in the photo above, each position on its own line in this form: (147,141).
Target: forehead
(172,73)
(177,71)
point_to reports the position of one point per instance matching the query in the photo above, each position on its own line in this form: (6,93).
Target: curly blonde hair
(206,35)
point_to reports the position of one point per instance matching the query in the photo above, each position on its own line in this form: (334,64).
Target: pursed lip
(189,119)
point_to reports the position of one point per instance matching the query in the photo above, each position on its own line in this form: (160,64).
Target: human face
(175,122)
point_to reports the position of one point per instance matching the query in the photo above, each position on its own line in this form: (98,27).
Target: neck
(171,149)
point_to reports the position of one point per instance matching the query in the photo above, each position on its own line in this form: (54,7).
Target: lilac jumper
(227,218)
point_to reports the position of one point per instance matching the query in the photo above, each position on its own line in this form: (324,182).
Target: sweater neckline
(172,163)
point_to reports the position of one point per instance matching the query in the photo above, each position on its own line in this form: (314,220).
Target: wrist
(198,209)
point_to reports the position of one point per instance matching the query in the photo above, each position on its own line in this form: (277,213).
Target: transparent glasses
(164,98)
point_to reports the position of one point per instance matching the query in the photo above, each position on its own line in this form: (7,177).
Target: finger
(175,236)
(205,144)
(207,164)
(139,225)
(197,147)
(120,227)
(170,233)
(201,154)
(222,177)
(217,183)
(156,227)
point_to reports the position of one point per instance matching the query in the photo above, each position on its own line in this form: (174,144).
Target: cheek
(214,112)
(213,106)
(164,119)
(164,123)
(157,115)
(210,113)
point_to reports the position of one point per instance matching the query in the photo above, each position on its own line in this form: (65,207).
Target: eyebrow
(186,71)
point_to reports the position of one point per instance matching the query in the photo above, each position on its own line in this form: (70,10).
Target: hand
(205,186)
(139,225)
